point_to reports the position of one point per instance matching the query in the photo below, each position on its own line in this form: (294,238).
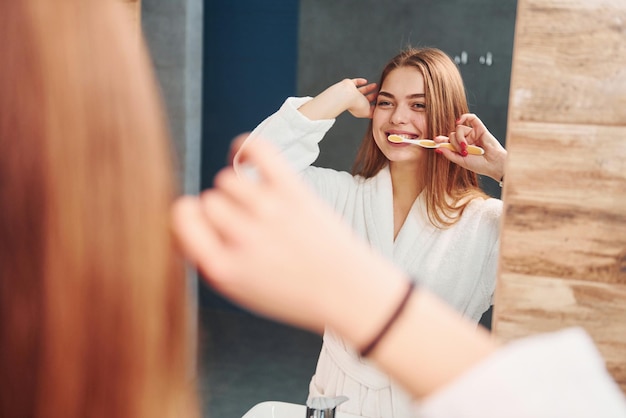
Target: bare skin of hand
(354,95)
(470,130)
(271,245)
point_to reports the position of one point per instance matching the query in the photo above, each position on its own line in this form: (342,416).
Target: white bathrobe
(458,263)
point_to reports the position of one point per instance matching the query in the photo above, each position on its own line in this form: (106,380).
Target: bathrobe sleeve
(296,137)
(553,375)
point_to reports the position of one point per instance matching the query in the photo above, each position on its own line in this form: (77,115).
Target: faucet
(322,407)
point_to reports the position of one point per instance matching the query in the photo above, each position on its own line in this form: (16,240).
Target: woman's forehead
(403,81)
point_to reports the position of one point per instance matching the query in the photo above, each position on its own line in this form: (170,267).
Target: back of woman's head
(93,313)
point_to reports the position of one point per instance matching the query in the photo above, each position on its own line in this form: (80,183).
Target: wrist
(431,345)
(330,103)
(373,298)
(393,318)
(499,167)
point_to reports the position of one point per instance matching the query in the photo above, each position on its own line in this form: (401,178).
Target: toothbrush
(429,143)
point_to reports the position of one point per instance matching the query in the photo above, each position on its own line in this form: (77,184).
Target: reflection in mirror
(334,40)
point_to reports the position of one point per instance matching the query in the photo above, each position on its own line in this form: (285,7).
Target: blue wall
(250,65)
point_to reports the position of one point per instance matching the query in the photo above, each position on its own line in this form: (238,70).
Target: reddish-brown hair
(448,186)
(94,317)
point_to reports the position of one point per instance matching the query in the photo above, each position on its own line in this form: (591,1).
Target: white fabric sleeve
(295,135)
(553,375)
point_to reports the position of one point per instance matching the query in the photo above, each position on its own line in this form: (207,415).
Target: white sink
(275,409)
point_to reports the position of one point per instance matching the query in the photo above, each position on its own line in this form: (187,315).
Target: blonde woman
(421,209)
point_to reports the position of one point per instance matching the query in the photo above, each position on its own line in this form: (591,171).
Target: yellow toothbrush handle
(471,149)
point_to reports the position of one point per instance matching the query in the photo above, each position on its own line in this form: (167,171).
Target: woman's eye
(420,106)
(383,103)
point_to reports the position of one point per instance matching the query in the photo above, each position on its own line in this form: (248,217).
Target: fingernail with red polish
(438,151)
(463,145)
(464,153)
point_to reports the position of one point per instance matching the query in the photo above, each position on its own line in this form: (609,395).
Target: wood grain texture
(532,304)
(563,246)
(565,202)
(570,62)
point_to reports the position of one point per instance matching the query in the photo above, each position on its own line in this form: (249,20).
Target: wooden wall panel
(563,250)
(570,62)
(565,202)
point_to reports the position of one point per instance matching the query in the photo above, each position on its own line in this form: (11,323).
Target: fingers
(468,129)
(359,81)
(469,119)
(370,91)
(235,145)
(197,239)
(269,165)
(452,156)
(459,141)
(227,213)
(368,88)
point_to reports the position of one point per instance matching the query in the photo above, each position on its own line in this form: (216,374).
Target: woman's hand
(354,95)
(271,245)
(470,130)
(363,101)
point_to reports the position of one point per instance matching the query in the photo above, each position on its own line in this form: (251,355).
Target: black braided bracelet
(368,348)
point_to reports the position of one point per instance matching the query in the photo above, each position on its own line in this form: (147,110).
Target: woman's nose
(399,116)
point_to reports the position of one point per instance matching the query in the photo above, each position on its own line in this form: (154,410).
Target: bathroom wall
(250,62)
(173,30)
(250,59)
(563,252)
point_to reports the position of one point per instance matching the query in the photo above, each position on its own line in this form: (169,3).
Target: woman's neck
(407,183)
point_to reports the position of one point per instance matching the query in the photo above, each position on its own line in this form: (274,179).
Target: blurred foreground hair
(94,317)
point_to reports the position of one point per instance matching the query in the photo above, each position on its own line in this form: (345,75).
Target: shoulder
(483,214)
(489,208)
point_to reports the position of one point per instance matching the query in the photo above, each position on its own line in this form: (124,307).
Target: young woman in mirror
(421,208)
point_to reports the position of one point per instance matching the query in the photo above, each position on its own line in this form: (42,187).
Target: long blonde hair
(94,316)
(449,187)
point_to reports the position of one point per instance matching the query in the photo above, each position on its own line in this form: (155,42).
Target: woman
(422,209)
(94,317)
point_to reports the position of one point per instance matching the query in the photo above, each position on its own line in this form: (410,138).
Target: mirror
(258,53)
